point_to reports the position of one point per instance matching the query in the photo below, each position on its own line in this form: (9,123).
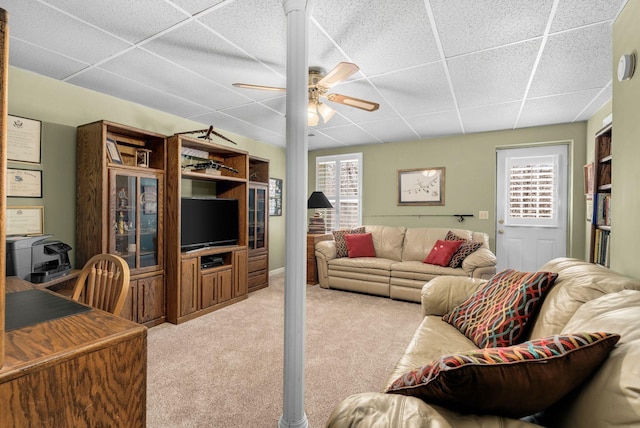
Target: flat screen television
(207,222)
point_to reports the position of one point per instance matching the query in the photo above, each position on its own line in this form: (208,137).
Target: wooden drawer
(258,263)
(258,278)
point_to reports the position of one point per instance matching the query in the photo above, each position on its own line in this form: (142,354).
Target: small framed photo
(275,196)
(589,179)
(424,186)
(25,221)
(113,152)
(24,183)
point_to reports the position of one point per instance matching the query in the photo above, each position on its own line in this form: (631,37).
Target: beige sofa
(398,270)
(584,298)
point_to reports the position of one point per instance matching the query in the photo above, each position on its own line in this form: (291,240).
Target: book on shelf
(602,209)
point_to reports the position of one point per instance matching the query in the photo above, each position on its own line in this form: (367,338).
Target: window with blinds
(531,191)
(339,177)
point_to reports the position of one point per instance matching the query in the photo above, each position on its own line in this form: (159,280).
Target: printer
(37,258)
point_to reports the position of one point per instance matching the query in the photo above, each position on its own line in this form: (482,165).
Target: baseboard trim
(276,271)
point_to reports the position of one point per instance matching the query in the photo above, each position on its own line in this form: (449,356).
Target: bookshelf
(601,218)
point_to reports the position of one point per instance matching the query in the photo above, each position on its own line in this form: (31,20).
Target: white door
(531,206)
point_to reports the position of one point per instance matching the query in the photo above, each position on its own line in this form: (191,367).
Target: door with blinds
(339,177)
(531,206)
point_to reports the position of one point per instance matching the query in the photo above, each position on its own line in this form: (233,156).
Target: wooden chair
(103,283)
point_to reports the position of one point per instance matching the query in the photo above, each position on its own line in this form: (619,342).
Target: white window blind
(531,191)
(339,177)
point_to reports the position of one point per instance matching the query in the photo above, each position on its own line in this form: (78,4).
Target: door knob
(501,221)
(500,231)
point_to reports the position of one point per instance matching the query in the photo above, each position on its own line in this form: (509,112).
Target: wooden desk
(312,267)
(83,370)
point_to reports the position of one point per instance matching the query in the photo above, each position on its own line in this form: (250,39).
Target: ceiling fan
(319,85)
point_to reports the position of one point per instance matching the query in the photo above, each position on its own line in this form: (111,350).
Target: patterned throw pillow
(515,381)
(442,252)
(341,244)
(496,315)
(463,251)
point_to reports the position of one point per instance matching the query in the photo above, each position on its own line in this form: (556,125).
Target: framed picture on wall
(275,196)
(423,186)
(24,183)
(23,139)
(25,221)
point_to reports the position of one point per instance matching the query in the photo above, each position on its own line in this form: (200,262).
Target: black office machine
(37,258)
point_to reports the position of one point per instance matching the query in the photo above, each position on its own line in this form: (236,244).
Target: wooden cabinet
(601,218)
(312,267)
(196,283)
(258,222)
(120,209)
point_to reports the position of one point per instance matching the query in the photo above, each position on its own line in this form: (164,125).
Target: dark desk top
(31,307)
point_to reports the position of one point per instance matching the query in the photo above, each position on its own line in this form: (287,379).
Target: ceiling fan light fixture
(325,111)
(312,114)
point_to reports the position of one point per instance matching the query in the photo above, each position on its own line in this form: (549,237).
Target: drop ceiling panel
(260,116)
(41,61)
(41,25)
(225,123)
(598,101)
(322,141)
(573,13)
(155,72)
(390,129)
(567,63)
(491,117)
(493,76)
(195,6)
(376,34)
(117,86)
(472,25)
(122,18)
(436,124)
(417,90)
(350,135)
(555,109)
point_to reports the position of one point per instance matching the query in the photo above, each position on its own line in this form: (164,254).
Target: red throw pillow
(360,245)
(442,252)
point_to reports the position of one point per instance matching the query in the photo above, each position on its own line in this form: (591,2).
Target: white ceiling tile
(225,122)
(576,13)
(350,135)
(490,117)
(195,6)
(598,101)
(117,86)
(260,116)
(471,25)
(122,17)
(418,90)
(41,61)
(379,36)
(567,63)
(41,25)
(322,141)
(436,124)
(555,109)
(390,130)
(493,76)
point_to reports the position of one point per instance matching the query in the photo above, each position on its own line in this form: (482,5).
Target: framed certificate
(23,139)
(25,221)
(24,183)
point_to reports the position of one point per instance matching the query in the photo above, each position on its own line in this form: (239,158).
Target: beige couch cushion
(419,241)
(578,282)
(387,241)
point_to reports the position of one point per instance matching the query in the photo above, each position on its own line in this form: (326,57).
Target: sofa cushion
(513,381)
(387,240)
(497,314)
(418,241)
(442,252)
(360,245)
(341,243)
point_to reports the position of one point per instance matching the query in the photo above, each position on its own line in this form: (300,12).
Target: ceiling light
(315,110)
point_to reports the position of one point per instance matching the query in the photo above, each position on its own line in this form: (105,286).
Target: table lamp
(316,223)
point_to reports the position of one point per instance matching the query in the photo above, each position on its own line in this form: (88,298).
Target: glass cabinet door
(135,219)
(252,219)
(260,217)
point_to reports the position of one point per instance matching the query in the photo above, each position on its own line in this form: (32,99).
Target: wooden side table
(312,268)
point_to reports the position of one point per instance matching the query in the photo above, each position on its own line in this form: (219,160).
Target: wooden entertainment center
(130,185)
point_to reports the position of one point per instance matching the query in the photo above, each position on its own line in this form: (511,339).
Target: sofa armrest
(443,293)
(483,261)
(379,410)
(325,251)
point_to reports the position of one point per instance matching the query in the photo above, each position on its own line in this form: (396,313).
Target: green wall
(62,107)
(625,179)
(470,175)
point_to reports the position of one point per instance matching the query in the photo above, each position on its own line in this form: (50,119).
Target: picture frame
(589,179)
(24,183)
(421,186)
(113,152)
(25,220)
(275,196)
(24,139)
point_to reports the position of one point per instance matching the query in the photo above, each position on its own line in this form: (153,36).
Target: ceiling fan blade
(353,102)
(338,74)
(264,88)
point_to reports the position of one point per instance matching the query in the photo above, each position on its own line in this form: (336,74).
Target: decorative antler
(207,135)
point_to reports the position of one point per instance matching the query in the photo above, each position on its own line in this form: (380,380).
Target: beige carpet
(225,369)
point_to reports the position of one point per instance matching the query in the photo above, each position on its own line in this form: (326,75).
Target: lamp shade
(318,200)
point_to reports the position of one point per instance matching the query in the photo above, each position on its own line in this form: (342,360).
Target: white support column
(293,415)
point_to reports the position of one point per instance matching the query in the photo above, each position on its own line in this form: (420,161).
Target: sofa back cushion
(577,283)
(388,241)
(419,241)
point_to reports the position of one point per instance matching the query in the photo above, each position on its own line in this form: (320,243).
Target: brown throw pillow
(463,251)
(341,244)
(515,381)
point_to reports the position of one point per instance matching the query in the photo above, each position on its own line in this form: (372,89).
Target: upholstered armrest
(325,251)
(480,264)
(379,410)
(443,293)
